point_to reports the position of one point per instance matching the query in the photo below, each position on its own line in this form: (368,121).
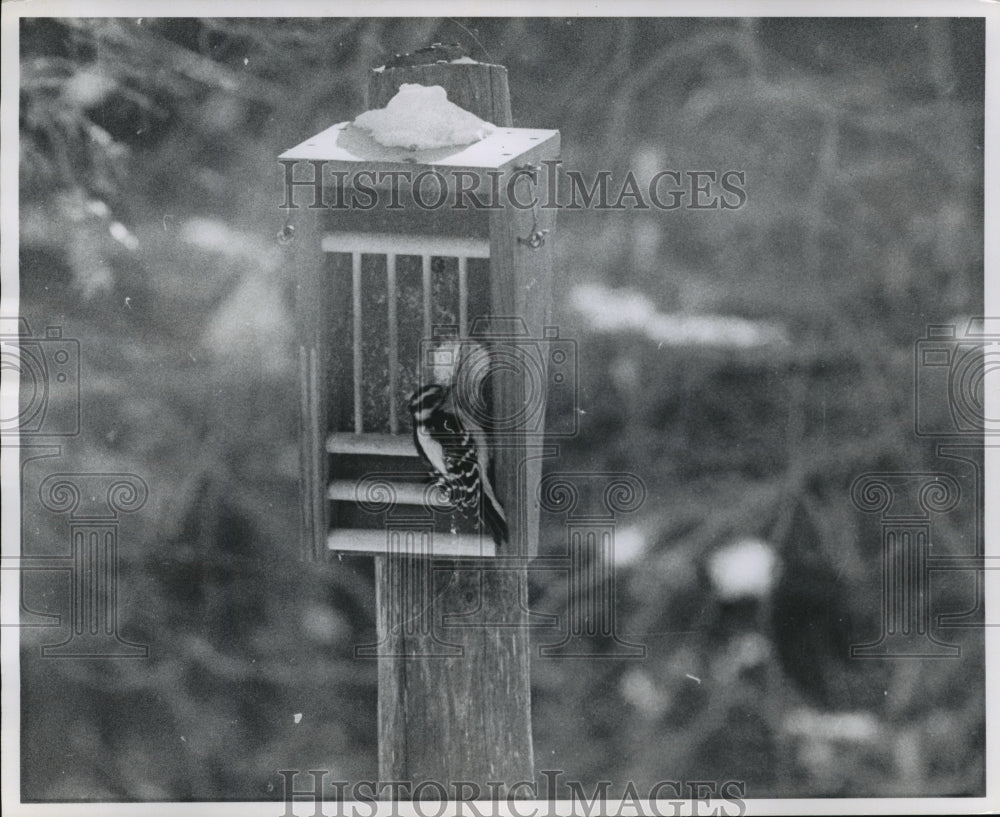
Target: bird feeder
(410,247)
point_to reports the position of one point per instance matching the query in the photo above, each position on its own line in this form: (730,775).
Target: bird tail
(494,516)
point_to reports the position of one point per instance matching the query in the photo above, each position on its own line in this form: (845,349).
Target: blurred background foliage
(149,205)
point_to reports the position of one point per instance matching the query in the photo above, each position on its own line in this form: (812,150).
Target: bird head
(427,400)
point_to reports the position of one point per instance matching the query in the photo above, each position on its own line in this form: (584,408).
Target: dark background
(149,196)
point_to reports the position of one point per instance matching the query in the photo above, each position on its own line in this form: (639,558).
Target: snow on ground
(630,545)
(745,568)
(421,117)
(626,310)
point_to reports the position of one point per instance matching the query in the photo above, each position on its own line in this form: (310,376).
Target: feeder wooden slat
(403,493)
(402,244)
(443,545)
(380,445)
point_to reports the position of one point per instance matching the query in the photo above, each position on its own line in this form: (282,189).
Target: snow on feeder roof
(421,128)
(421,117)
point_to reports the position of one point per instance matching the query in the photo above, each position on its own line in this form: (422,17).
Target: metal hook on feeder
(529,170)
(536,238)
(287,232)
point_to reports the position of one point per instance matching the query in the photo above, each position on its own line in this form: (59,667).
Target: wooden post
(461,710)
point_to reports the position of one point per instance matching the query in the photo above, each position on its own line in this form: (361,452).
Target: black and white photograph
(499,409)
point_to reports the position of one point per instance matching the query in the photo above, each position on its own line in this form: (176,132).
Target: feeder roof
(347,147)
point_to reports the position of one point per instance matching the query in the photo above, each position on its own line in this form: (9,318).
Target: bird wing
(479,454)
(432,449)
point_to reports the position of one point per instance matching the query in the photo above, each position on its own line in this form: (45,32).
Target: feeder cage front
(385,281)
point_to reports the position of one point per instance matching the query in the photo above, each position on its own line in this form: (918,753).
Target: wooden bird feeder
(390,281)
(377,289)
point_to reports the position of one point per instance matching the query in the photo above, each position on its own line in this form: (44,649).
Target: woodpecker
(458,455)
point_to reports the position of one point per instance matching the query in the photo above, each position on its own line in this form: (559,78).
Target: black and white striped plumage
(458,453)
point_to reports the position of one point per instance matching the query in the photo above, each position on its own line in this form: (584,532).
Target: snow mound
(744,569)
(421,117)
(626,310)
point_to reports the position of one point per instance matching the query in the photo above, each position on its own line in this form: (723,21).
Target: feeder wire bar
(356,306)
(463,295)
(427,295)
(390,271)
